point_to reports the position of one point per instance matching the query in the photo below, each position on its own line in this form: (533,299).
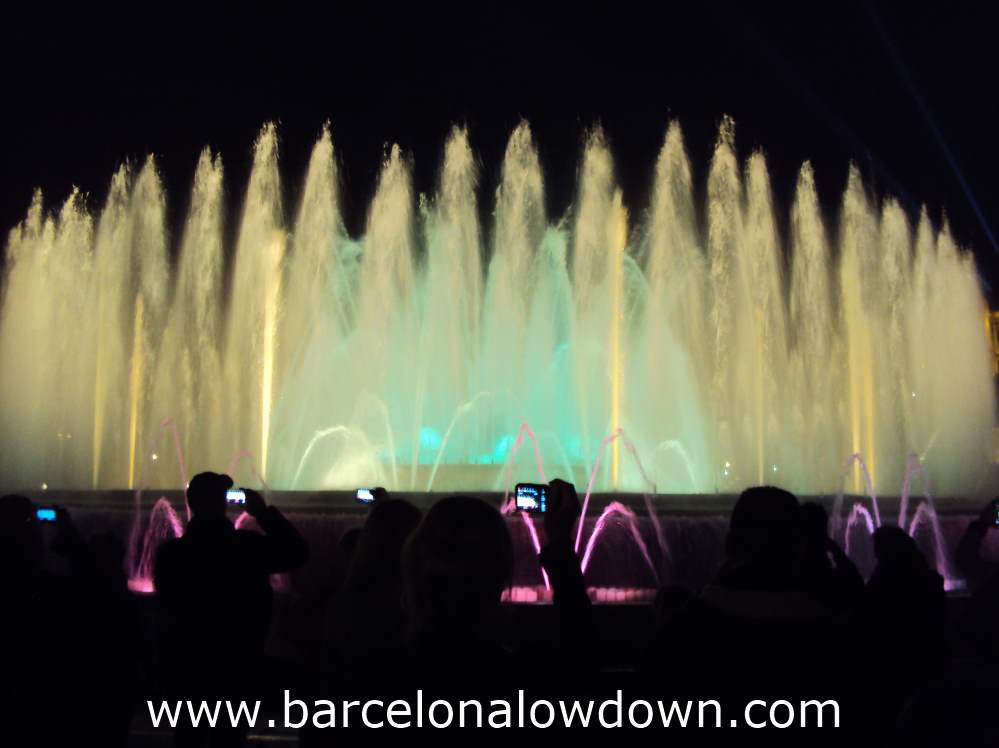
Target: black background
(830,82)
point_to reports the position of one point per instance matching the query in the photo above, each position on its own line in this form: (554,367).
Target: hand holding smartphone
(46,514)
(371,495)
(532,497)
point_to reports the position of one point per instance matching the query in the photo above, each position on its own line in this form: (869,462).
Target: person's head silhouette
(894,549)
(377,549)
(390,523)
(455,567)
(814,523)
(761,533)
(206,494)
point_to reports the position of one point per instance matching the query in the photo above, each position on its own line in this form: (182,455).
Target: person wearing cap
(213,589)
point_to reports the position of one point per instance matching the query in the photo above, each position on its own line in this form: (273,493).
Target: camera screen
(235,496)
(365,496)
(46,514)
(531,497)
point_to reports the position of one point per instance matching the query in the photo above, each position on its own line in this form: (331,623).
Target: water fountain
(410,356)
(667,348)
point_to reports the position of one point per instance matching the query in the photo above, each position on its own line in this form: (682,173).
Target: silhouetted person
(558,557)
(350,537)
(968,693)
(69,646)
(671,600)
(214,596)
(22,549)
(977,569)
(348,543)
(980,622)
(34,647)
(901,622)
(753,632)
(114,635)
(368,614)
(455,567)
(824,570)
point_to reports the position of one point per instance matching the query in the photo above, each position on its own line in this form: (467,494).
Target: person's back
(368,615)
(753,630)
(979,625)
(901,622)
(903,592)
(455,567)
(823,570)
(213,584)
(904,598)
(50,662)
(35,605)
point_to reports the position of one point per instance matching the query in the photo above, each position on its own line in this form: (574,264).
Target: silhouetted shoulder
(168,554)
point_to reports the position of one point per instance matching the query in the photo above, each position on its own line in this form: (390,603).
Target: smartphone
(365,496)
(532,497)
(45,514)
(235,496)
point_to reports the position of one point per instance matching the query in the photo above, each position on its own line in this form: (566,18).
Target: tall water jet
(618,242)
(46,289)
(385,333)
(149,246)
(250,339)
(727,294)
(961,399)
(921,322)
(894,386)
(315,316)
(115,308)
(857,271)
(189,388)
(450,334)
(767,339)
(511,281)
(814,417)
(598,256)
(671,351)
(20,327)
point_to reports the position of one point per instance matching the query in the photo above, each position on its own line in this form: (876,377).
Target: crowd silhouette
(419,605)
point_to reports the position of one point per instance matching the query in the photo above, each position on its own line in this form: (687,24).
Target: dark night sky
(827,83)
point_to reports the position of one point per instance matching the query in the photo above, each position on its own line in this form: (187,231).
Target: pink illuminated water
(857,512)
(605,595)
(525,428)
(925,514)
(868,484)
(612,510)
(589,484)
(164,523)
